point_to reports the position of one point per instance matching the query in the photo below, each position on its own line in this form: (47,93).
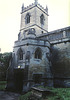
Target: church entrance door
(18,79)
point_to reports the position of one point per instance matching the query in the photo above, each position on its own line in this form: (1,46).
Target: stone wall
(61,63)
(61,59)
(39,66)
(60,55)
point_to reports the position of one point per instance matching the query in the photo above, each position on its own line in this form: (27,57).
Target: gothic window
(27,18)
(42,19)
(20,54)
(38,53)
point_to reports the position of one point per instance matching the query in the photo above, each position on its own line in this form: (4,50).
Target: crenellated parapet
(33,5)
(57,36)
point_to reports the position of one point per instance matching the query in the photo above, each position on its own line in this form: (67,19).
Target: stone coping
(40,89)
(40,92)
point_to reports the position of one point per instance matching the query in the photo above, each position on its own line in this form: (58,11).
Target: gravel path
(4,95)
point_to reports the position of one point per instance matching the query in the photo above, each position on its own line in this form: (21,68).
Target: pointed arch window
(42,19)
(38,53)
(27,18)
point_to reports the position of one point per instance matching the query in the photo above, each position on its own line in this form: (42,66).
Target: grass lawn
(2,85)
(59,94)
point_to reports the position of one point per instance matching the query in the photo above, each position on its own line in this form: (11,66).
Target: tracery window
(27,18)
(38,53)
(42,19)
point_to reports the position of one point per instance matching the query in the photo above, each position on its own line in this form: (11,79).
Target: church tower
(34,19)
(31,55)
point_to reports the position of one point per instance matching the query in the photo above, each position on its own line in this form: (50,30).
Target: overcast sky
(59,17)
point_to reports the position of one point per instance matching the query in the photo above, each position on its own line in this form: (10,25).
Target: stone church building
(39,56)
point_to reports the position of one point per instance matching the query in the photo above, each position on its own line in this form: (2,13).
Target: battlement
(24,9)
(59,35)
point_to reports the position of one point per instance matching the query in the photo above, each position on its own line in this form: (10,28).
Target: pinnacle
(36,2)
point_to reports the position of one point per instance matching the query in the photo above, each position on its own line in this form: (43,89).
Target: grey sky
(59,17)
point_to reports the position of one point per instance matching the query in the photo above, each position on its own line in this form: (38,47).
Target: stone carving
(28,56)
(31,31)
